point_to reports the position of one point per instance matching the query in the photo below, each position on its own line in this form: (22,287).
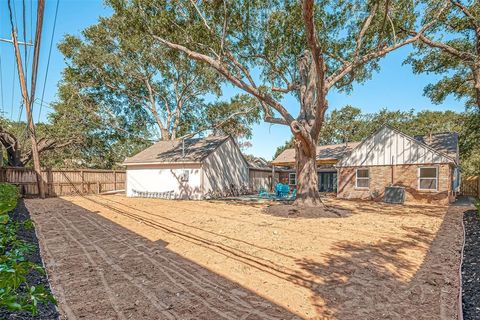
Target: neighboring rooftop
(195,150)
(258,163)
(445,142)
(331,152)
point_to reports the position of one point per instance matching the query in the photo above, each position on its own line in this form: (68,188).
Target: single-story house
(187,169)
(425,167)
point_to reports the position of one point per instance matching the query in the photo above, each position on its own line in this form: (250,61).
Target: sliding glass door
(327,181)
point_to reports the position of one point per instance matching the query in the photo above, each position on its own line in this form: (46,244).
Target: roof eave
(159,162)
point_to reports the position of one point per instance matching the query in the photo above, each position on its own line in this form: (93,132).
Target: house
(425,167)
(187,169)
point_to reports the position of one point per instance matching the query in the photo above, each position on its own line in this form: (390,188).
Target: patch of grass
(15,293)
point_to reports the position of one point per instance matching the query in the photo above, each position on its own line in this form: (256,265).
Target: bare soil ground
(111,257)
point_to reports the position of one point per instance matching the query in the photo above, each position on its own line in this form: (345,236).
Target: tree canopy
(129,75)
(272,48)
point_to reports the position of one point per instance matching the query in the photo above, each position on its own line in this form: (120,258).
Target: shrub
(8,199)
(15,293)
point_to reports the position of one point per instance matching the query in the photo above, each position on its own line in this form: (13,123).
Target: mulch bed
(45,311)
(471,267)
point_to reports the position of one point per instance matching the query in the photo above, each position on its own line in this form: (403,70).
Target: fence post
(98,187)
(114,180)
(49,181)
(82,184)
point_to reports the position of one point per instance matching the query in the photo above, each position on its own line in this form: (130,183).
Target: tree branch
(465,11)
(346,68)
(220,68)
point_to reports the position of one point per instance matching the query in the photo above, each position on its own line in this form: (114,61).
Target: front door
(327,181)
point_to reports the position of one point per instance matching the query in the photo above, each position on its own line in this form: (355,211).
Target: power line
(13,86)
(24,24)
(48,61)
(1,84)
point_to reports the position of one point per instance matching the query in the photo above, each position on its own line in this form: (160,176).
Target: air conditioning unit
(394,194)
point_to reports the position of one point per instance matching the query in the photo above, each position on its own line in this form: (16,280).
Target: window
(292,179)
(427,178)
(363,178)
(184,176)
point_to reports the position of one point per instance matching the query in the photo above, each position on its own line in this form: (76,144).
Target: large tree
(13,138)
(128,74)
(272,48)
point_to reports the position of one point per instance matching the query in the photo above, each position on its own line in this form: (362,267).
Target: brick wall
(403,175)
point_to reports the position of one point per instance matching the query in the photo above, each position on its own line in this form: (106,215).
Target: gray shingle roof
(328,152)
(446,142)
(171,151)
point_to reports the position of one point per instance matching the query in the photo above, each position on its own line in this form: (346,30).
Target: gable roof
(416,151)
(333,152)
(196,150)
(446,142)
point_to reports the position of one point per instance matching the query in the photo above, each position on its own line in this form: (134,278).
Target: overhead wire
(48,60)
(1,85)
(25,51)
(14,61)
(24,25)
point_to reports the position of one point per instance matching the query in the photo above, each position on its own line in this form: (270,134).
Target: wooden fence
(470,186)
(64,182)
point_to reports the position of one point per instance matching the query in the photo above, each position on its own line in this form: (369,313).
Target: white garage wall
(165,179)
(225,167)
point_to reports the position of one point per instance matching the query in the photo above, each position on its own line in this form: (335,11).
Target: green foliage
(8,200)
(15,293)
(269,36)
(459,32)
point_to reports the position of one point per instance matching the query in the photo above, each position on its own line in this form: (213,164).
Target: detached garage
(187,169)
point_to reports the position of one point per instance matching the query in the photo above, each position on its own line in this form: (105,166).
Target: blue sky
(394,87)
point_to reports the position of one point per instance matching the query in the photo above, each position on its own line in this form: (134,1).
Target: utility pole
(23,84)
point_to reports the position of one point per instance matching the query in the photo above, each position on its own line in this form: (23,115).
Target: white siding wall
(165,179)
(389,147)
(225,167)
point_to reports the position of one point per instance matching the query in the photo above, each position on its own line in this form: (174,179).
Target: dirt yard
(111,257)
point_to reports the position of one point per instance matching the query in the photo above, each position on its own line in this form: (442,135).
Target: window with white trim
(292,179)
(362,178)
(427,178)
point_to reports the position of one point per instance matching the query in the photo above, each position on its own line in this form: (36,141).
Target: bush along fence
(21,290)
(65,181)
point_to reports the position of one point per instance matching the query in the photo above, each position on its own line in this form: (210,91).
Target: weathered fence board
(64,182)
(470,186)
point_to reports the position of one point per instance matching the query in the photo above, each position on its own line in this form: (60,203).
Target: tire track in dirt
(108,290)
(272,268)
(57,289)
(112,264)
(206,283)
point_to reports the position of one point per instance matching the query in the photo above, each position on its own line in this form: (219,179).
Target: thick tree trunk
(307,179)
(476,85)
